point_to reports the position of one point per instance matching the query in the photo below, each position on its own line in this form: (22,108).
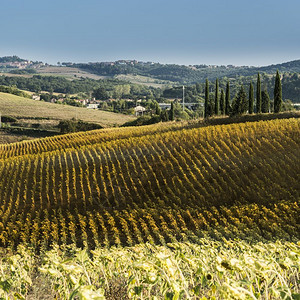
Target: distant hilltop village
(15,62)
(111,63)
(136,62)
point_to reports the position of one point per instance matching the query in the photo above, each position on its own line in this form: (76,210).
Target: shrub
(144,120)
(73,125)
(14,91)
(8,119)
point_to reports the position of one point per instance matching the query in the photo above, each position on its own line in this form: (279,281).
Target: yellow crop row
(151,184)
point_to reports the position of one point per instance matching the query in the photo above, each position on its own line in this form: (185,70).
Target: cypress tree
(227,100)
(164,115)
(211,105)
(240,104)
(265,101)
(277,94)
(222,102)
(217,98)
(157,109)
(172,112)
(251,98)
(206,101)
(258,95)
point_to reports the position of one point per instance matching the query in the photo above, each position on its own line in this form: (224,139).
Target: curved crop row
(239,179)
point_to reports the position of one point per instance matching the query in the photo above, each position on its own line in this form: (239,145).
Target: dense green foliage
(206,103)
(217,100)
(277,94)
(240,104)
(100,94)
(196,92)
(172,112)
(222,102)
(13,91)
(184,74)
(227,99)
(8,119)
(23,71)
(251,99)
(258,94)
(39,83)
(144,120)
(7,59)
(172,72)
(113,87)
(73,125)
(265,102)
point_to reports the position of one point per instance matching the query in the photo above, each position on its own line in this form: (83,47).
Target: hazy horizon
(145,60)
(192,32)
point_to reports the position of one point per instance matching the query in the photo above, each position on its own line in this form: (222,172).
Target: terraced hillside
(130,185)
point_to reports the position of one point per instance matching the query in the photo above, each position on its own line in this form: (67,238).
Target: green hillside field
(22,107)
(170,211)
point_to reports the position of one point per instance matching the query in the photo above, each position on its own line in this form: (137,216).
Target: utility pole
(183,97)
(0,120)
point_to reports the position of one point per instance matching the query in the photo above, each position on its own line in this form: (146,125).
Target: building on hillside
(36,97)
(164,105)
(93,105)
(139,110)
(82,101)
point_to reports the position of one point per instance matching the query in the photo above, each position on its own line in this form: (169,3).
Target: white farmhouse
(139,110)
(93,105)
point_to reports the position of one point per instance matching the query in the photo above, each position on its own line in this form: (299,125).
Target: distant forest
(193,77)
(114,88)
(184,74)
(290,87)
(7,59)
(117,89)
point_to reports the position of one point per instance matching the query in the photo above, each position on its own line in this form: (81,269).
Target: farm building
(139,110)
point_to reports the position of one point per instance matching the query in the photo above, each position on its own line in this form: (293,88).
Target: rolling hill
(170,210)
(130,185)
(156,74)
(26,108)
(181,73)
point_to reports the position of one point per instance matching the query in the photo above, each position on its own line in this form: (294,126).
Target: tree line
(220,103)
(100,89)
(183,74)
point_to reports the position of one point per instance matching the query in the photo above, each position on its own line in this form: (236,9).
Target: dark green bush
(14,91)
(8,119)
(73,125)
(144,120)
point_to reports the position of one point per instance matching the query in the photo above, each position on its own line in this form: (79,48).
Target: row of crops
(123,187)
(168,211)
(76,140)
(229,269)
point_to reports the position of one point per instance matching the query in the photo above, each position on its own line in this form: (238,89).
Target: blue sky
(256,32)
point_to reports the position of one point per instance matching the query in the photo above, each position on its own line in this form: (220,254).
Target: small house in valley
(139,110)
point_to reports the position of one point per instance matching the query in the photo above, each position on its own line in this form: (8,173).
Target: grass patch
(26,108)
